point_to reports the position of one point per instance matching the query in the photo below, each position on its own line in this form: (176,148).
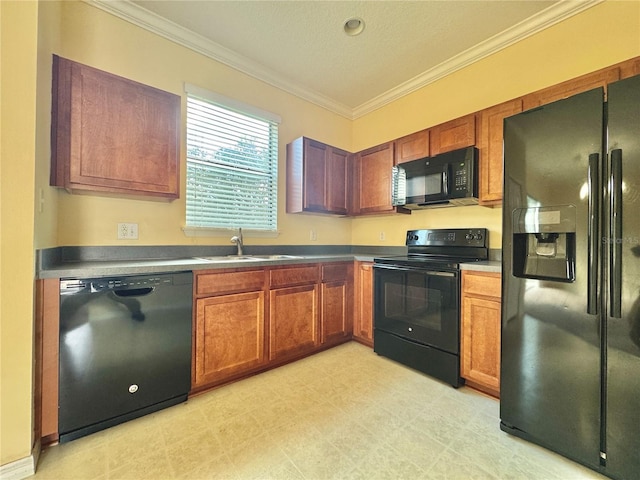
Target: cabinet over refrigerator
(570,374)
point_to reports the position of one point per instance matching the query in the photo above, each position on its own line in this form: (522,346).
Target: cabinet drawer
(283,277)
(229,282)
(485,284)
(336,271)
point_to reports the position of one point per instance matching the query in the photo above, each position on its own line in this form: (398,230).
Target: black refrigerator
(570,372)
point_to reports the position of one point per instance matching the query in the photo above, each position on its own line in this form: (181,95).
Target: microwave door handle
(445,182)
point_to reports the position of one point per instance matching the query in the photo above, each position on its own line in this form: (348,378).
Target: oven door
(418,304)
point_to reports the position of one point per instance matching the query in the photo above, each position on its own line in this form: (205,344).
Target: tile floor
(345,413)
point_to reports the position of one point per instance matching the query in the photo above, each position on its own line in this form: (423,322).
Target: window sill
(223,232)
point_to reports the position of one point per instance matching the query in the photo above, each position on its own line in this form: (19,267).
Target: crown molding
(143,18)
(545,19)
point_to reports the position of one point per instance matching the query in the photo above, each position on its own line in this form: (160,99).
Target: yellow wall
(31,31)
(18,40)
(98,39)
(600,36)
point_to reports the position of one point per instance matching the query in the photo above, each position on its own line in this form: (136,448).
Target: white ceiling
(300,46)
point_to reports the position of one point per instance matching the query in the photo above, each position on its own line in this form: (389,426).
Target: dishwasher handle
(134,292)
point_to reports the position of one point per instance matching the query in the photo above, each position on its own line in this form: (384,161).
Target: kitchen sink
(245,258)
(226,258)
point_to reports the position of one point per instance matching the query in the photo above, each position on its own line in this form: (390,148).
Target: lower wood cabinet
(293,320)
(480,330)
(250,319)
(363,315)
(229,335)
(229,330)
(336,306)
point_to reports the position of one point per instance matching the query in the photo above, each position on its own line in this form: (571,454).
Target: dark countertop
(92,269)
(488,266)
(89,262)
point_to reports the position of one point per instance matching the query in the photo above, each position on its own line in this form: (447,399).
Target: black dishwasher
(125,349)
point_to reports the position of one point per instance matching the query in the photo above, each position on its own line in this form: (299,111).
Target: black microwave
(445,180)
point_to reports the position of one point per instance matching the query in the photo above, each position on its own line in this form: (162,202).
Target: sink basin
(227,258)
(274,257)
(241,258)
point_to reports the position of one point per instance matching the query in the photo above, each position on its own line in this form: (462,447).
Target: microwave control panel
(461,178)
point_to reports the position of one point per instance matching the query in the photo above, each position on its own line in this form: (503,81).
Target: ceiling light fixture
(354,26)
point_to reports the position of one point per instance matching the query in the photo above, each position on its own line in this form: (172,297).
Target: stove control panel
(449,237)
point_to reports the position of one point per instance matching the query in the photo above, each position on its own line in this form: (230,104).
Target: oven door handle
(414,269)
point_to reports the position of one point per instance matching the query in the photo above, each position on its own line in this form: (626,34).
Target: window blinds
(232,166)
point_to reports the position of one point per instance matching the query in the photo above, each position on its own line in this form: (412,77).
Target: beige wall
(601,36)
(96,38)
(18,40)
(30,32)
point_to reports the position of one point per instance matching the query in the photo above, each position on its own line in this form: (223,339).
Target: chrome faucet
(237,239)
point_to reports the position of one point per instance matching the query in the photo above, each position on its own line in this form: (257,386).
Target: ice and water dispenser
(544,243)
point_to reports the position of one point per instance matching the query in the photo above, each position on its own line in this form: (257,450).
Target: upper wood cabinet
(452,135)
(412,147)
(371,184)
(113,135)
(490,135)
(571,87)
(317,176)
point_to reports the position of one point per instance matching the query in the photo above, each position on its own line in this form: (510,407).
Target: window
(232,164)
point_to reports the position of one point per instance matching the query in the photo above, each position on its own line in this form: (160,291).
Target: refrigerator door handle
(594,228)
(615,240)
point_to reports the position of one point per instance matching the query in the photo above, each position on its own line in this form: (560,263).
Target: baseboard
(23,468)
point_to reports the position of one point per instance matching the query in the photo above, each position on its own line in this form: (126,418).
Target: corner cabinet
(480,330)
(113,135)
(317,176)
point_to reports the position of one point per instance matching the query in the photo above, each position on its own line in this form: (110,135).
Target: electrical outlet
(127,231)
(381,236)
(313,235)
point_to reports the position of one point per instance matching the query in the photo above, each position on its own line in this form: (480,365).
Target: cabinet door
(337,178)
(293,321)
(111,134)
(566,89)
(317,176)
(412,147)
(229,335)
(480,330)
(334,317)
(458,133)
(490,146)
(372,180)
(363,320)
(314,175)
(481,341)
(336,309)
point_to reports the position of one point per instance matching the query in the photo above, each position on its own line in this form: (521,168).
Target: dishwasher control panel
(76,285)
